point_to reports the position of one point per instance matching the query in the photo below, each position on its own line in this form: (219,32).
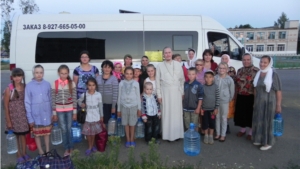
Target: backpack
(12,90)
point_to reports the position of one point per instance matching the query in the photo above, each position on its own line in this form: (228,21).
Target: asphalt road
(233,152)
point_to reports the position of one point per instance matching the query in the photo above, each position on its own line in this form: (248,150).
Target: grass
(150,160)
(4,66)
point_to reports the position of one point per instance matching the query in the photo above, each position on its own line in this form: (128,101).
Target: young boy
(210,106)
(150,113)
(136,76)
(192,101)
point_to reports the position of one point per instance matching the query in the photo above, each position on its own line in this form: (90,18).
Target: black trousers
(151,128)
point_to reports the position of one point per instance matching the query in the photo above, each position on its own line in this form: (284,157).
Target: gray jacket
(226,88)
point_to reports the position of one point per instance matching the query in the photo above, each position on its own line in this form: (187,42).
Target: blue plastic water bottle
(56,135)
(11,142)
(76,132)
(112,126)
(191,144)
(278,125)
(120,128)
(139,129)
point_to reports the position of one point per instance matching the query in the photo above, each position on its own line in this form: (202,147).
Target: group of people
(167,97)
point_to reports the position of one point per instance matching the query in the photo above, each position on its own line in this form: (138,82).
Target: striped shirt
(211,98)
(109,89)
(62,100)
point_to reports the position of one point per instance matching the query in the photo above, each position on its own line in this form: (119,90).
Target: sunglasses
(199,64)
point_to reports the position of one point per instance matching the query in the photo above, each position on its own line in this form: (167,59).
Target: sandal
(26,157)
(88,152)
(94,149)
(20,160)
(133,144)
(217,138)
(127,144)
(222,140)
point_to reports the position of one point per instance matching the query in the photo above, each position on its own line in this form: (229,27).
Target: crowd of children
(128,90)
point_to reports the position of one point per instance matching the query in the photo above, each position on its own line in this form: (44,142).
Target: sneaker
(157,142)
(133,144)
(211,139)
(267,147)
(26,157)
(256,144)
(205,139)
(94,149)
(127,144)
(88,152)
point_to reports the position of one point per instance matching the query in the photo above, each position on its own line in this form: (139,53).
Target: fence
(286,61)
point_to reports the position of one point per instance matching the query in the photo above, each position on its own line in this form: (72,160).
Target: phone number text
(53,26)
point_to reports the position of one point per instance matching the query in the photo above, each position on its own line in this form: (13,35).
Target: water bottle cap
(10,132)
(278,115)
(54,124)
(74,123)
(119,119)
(192,126)
(113,116)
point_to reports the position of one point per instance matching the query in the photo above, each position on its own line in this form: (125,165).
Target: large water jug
(278,125)
(191,143)
(11,141)
(120,128)
(56,135)
(76,132)
(112,126)
(139,129)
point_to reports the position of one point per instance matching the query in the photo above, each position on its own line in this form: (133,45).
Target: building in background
(270,40)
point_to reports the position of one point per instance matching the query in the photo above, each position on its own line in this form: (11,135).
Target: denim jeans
(65,123)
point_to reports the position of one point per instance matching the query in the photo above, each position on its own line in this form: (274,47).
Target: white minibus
(52,40)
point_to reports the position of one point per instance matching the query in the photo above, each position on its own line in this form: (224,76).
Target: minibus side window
(221,43)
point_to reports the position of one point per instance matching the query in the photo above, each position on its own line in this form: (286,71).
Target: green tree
(28,6)
(246,26)
(5,41)
(281,20)
(6,9)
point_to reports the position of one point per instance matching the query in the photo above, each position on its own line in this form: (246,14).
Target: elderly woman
(169,87)
(245,96)
(231,70)
(267,102)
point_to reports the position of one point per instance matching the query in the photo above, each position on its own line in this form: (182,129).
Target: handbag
(55,161)
(31,164)
(81,114)
(30,142)
(231,109)
(101,139)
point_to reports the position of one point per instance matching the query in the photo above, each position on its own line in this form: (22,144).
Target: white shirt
(94,106)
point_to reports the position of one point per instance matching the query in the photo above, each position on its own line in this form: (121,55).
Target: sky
(258,13)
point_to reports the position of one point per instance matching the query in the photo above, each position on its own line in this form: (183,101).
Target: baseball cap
(136,66)
(210,72)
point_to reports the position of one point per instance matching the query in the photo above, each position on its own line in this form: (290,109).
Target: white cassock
(169,87)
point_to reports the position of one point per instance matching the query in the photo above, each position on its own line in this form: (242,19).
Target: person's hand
(9,125)
(139,113)
(54,118)
(101,120)
(119,114)
(159,117)
(74,117)
(82,105)
(197,111)
(215,111)
(31,125)
(159,100)
(113,110)
(202,112)
(145,120)
(278,109)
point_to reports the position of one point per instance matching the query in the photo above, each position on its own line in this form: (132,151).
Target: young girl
(226,89)
(15,113)
(38,107)
(200,71)
(94,116)
(117,72)
(129,105)
(137,76)
(151,73)
(127,62)
(178,58)
(64,105)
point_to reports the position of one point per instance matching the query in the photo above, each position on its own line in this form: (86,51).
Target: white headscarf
(268,79)
(228,59)
(190,62)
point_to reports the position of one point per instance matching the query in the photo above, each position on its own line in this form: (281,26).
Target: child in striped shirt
(64,105)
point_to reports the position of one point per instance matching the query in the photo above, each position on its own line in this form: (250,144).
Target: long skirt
(244,110)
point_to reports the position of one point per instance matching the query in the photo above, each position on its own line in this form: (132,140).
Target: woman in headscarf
(267,102)
(192,57)
(245,96)
(117,72)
